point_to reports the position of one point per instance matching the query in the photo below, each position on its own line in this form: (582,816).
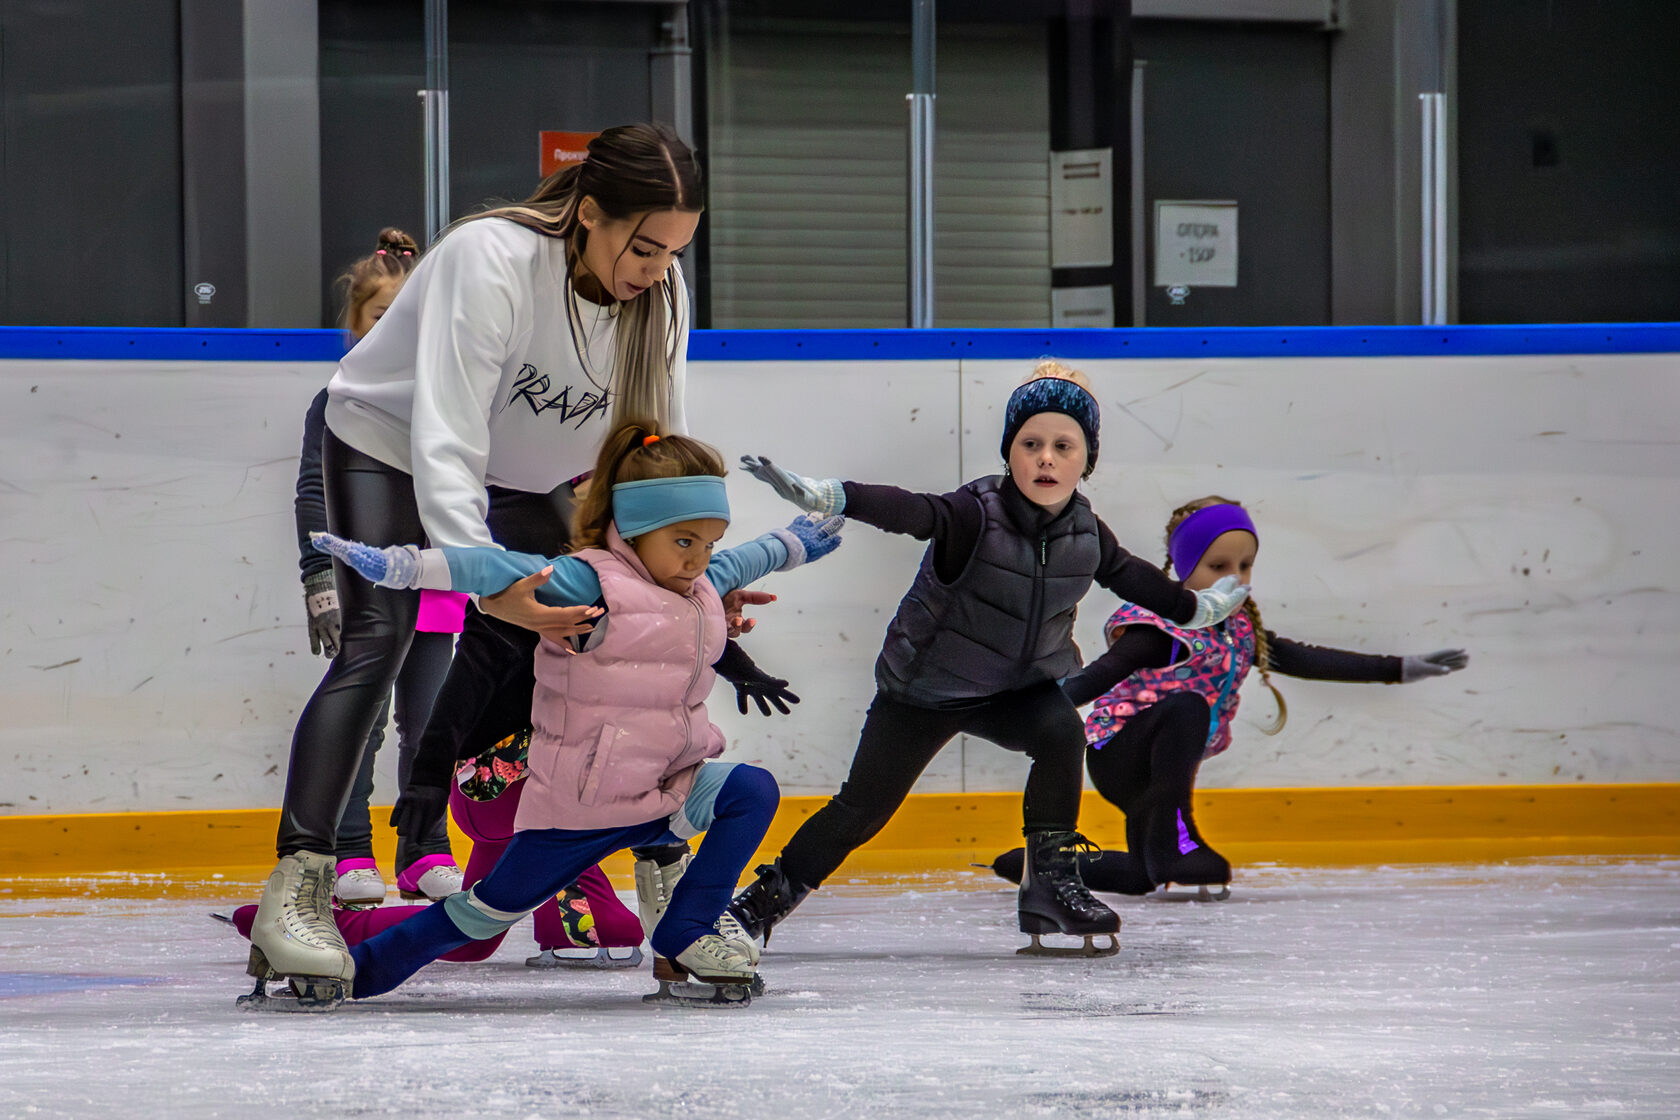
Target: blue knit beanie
(1052,394)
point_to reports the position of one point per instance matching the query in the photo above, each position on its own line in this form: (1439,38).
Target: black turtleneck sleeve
(1138,581)
(952,521)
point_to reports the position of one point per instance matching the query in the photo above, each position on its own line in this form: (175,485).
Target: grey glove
(826,496)
(320,599)
(1437,664)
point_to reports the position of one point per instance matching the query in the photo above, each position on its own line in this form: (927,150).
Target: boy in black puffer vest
(978,647)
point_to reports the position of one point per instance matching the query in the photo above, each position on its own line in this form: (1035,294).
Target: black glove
(751,681)
(419,810)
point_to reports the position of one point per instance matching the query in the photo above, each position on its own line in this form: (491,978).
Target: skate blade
(308,995)
(225,919)
(1191,892)
(702,994)
(601,958)
(1089,949)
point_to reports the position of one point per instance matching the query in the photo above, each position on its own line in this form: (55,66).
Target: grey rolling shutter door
(807,162)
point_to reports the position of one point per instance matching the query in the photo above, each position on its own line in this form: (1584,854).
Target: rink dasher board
(1500,502)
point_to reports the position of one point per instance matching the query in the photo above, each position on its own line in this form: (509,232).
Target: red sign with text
(562,148)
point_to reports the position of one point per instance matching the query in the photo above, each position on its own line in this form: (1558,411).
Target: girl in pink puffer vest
(621,740)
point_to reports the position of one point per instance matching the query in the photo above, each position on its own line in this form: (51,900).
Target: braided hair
(1262,644)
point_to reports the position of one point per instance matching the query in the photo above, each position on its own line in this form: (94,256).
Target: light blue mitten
(1215,604)
(826,496)
(809,538)
(395,566)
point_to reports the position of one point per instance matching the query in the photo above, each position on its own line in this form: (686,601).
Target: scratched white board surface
(152,654)
(1519,507)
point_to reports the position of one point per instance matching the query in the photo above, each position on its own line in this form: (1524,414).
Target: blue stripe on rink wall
(176,344)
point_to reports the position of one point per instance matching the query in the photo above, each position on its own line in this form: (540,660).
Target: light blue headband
(653,503)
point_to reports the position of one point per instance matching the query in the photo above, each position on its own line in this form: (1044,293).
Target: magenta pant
(490,826)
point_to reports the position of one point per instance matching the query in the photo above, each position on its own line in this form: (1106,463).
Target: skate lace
(729,929)
(1070,888)
(721,953)
(304,919)
(760,902)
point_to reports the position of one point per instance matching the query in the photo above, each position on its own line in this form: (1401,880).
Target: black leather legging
(374,503)
(423,672)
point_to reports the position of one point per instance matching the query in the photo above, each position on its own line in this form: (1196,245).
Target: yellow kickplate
(139,854)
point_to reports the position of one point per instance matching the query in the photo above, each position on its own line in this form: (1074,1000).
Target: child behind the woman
(1166,696)
(620,735)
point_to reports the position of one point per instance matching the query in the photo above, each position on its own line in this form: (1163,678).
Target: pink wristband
(442,612)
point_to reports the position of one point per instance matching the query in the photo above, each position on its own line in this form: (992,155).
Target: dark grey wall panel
(515,68)
(215,251)
(90,202)
(1242,112)
(373,60)
(1569,161)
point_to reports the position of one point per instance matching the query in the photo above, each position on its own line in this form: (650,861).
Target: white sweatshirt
(472,377)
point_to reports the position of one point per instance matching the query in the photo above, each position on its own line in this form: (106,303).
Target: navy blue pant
(538,862)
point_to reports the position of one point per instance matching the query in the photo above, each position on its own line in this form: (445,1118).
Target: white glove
(1215,604)
(826,496)
(396,566)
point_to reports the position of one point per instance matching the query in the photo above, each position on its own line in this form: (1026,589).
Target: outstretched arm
(780,550)
(479,571)
(1137,647)
(1321,663)
(1146,585)
(952,521)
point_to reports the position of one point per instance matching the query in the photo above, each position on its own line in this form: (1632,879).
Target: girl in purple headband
(1174,701)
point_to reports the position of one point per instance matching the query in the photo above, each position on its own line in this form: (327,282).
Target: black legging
(374,503)
(487,695)
(898,742)
(1147,769)
(423,672)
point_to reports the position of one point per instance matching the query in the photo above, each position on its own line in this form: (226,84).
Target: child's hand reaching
(1438,664)
(1215,604)
(396,566)
(826,496)
(810,538)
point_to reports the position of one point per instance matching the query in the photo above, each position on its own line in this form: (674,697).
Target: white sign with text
(1196,244)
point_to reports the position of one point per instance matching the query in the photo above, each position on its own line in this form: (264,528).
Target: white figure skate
(712,972)
(295,939)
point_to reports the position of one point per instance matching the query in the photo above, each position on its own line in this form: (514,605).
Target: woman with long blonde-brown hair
(462,419)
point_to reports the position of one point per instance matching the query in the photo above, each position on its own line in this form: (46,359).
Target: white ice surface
(1535,989)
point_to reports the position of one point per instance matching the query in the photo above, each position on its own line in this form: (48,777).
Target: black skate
(1107,870)
(300,993)
(1053,899)
(1181,861)
(766,901)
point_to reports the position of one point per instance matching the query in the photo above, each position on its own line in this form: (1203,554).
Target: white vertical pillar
(920,215)
(435,98)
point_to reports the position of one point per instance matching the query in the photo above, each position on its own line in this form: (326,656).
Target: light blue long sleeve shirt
(486,571)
